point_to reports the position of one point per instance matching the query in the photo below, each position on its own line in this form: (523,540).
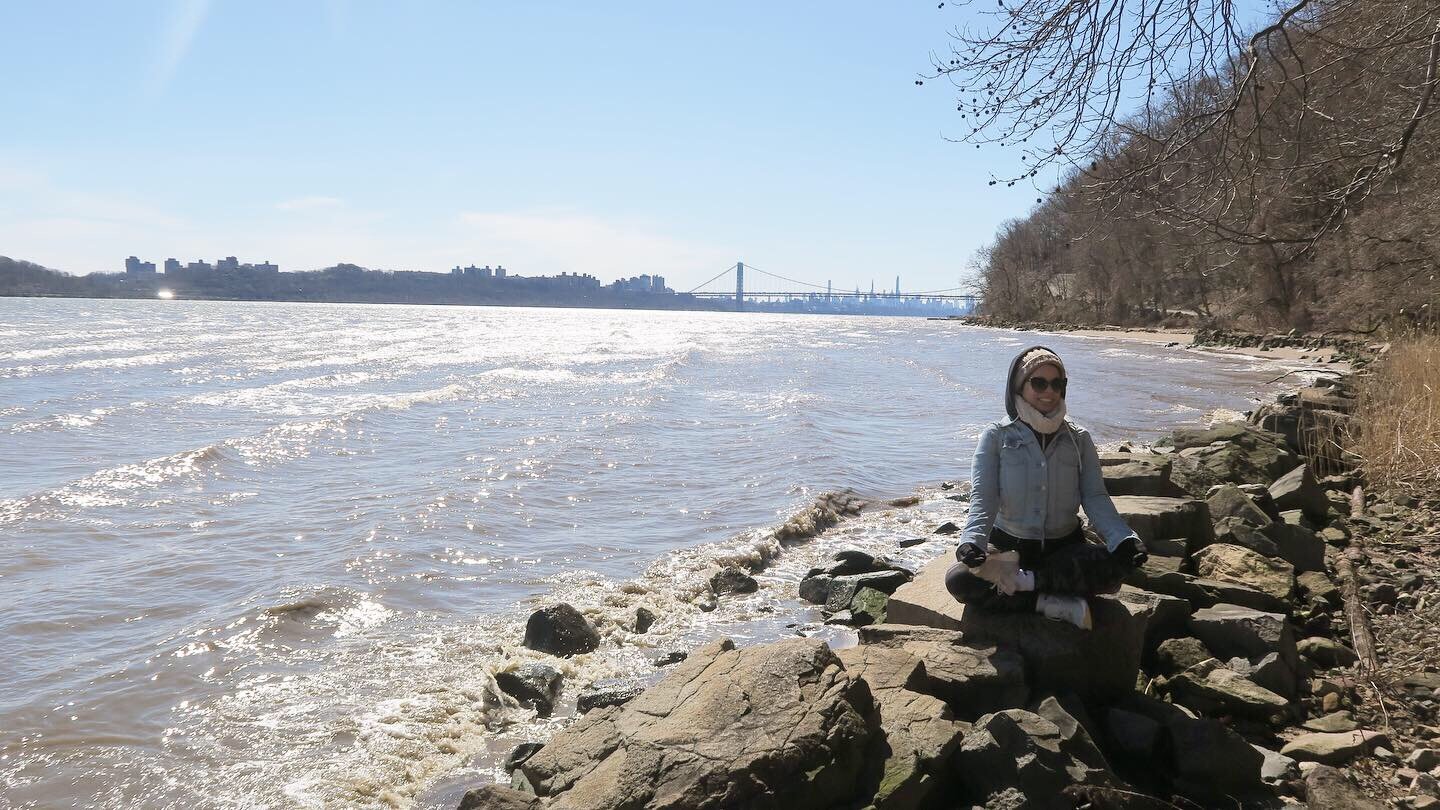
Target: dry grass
(1398,419)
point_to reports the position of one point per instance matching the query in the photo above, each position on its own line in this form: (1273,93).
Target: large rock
(1327,788)
(1169,615)
(599,696)
(1163,575)
(1298,489)
(536,686)
(1098,664)
(1028,757)
(972,679)
(560,630)
(782,723)
(497,797)
(1228,501)
(1224,692)
(1298,546)
(1333,748)
(1137,474)
(1242,566)
(1237,532)
(732,580)
(843,588)
(1228,453)
(1232,630)
(919,732)
(1204,760)
(1155,518)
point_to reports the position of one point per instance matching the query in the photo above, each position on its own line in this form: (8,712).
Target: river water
(268,555)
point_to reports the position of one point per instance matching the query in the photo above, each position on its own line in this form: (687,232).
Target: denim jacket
(1036,494)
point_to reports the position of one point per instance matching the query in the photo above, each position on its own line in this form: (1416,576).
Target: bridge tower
(739,286)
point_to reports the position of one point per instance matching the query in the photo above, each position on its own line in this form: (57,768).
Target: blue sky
(611,138)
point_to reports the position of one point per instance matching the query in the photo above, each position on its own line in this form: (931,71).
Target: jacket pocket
(1014,480)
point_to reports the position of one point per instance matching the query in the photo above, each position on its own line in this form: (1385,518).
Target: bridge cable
(717,275)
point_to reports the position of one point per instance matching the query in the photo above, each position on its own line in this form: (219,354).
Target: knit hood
(1010,376)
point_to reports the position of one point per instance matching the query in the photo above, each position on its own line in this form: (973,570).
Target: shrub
(1398,419)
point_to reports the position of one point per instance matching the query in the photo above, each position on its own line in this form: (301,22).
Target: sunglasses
(1041,385)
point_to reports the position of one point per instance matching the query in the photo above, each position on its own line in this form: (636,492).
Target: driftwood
(1360,636)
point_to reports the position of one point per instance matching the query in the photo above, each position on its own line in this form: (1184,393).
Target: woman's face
(1049,399)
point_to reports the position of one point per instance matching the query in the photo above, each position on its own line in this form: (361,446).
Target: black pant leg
(973,591)
(1078,569)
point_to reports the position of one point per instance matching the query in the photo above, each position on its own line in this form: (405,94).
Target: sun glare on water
(166,294)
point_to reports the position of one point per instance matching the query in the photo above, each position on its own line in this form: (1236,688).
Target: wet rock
(1331,723)
(520,753)
(851,561)
(497,797)
(843,589)
(670,658)
(1327,788)
(1154,518)
(972,678)
(732,580)
(1022,753)
(911,541)
(536,686)
(560,630)
(815,589)
(1298,489)
(1333,748)
(782,723)
(1231,630)
(644,619)
(1242,566)
(1327,652)
(1097,664)
(599,696)
(868,606)
(1179,654)
(948,527)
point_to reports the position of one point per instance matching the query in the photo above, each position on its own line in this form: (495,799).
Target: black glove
(972,555)
(1130,553)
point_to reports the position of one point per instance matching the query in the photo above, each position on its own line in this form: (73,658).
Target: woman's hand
(1130,553)
(970,554)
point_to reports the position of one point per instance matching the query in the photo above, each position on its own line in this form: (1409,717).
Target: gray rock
(1299,546)
(815,589)
(783,721)
(1224,692)
(1169,615)
(1242,566)
(1331,723)
(1146,474)
(1326,788)
(536,686)
(520,753)
(732,580)
(1228,501)
(851,561)
(973,679)
(644,619)
(1298,489)
(1205,760)
(497,797)
(1423,759)
(599,696)
(843,588)
(1155,518)
(868,606)
(1327,652)
(670,658)
(1236,532)
(1277,767)
(1272,672)
(1333,748)
(560,630)
(1163,575)
(1179,654)
(1231,630)
(1022,752)
(1317,585)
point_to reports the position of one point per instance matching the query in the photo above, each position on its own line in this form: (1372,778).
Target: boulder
(670,658)
(1327,788)
(520,753)
(973,679)
(815,588)
(1298,489)
(644,619)
(1162,575)
(1333,748)
(498,797)
(536,686)
(1204,760)
(1225,692)
(843,588)
(1137,474)
(1332,722)
(1277,768)
(1098,664)
(1228,501)
(1179,654)
(1232,630)
(560,630)
(1237,532)
(782,723)
(732,580)
(1270,671)
(868,606)
(1154,518)
(1023,754)
(1242,566)
(1299,546)
(918,730)
(598,696)
(1235,453)
(1326,652)
(1281,419)
(1317,585)
(1169,615)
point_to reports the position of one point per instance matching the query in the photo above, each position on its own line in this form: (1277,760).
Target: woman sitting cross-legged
(1022,548)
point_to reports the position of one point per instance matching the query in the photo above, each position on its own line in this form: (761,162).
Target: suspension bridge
(777,293)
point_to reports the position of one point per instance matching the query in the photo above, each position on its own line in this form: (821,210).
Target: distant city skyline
(643,138)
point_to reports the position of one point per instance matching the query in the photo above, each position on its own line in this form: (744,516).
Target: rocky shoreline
(1274,650)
